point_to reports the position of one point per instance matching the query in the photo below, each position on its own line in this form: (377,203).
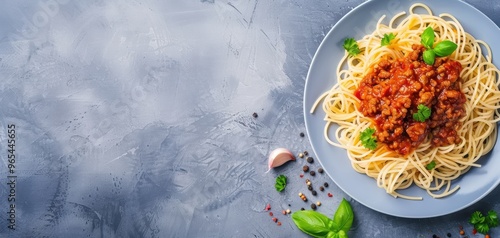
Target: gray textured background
(134,118)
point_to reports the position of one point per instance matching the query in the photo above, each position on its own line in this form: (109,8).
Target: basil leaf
(445,48)
(427,38)
(429,57)
(312,223)
(343,218)
(332,234)
(342,234)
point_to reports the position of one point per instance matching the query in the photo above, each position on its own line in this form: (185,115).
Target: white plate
(474,185)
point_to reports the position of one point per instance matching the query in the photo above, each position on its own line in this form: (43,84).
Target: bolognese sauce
(392,90)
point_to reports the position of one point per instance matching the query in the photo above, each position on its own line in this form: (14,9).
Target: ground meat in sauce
(392,90)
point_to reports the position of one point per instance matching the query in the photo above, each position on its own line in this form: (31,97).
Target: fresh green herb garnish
(492,218)
(427,38)
(422,114)
(367,138)
(387,39)
(280,183)
(351,46)
(443,48)
(482,223)
(429,56)
(431,165)
(316,224)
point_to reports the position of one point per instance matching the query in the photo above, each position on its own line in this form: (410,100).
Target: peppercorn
(302,134)
(306,153)
(325,184)
(314,192)
(288,211)
(308,182)
(330,195)
(302,209)
(318,203)
(462,232)
(255,115)
(305,168)
(312,173)
(310,159)
(303,197)
(449,234)
(310,188)
(313,206)
(283,212)
(301,155)
(279,223)
(321,188)
(271,214)
(320,170)
(275,219)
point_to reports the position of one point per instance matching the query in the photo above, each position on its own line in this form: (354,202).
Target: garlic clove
(278,157)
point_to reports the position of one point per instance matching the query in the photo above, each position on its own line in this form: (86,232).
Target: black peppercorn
(310,188)
(255,115)
(306,153)
(310,159)
(326,185)
(302,134)
(321,188)
(313,206)
(305,168)
(312,173)
(320,170)
(314,192)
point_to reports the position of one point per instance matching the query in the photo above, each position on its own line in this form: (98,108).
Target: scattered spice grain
(310,160)
(305,168)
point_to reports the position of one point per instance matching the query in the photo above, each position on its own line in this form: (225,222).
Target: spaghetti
(475,137)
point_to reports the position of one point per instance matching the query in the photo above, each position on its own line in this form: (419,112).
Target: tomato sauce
(391,92)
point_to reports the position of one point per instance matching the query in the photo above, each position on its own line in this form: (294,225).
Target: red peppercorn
(275,219)
(474,231)
(268,207)
(279,223)
(330,195)
(271,214)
